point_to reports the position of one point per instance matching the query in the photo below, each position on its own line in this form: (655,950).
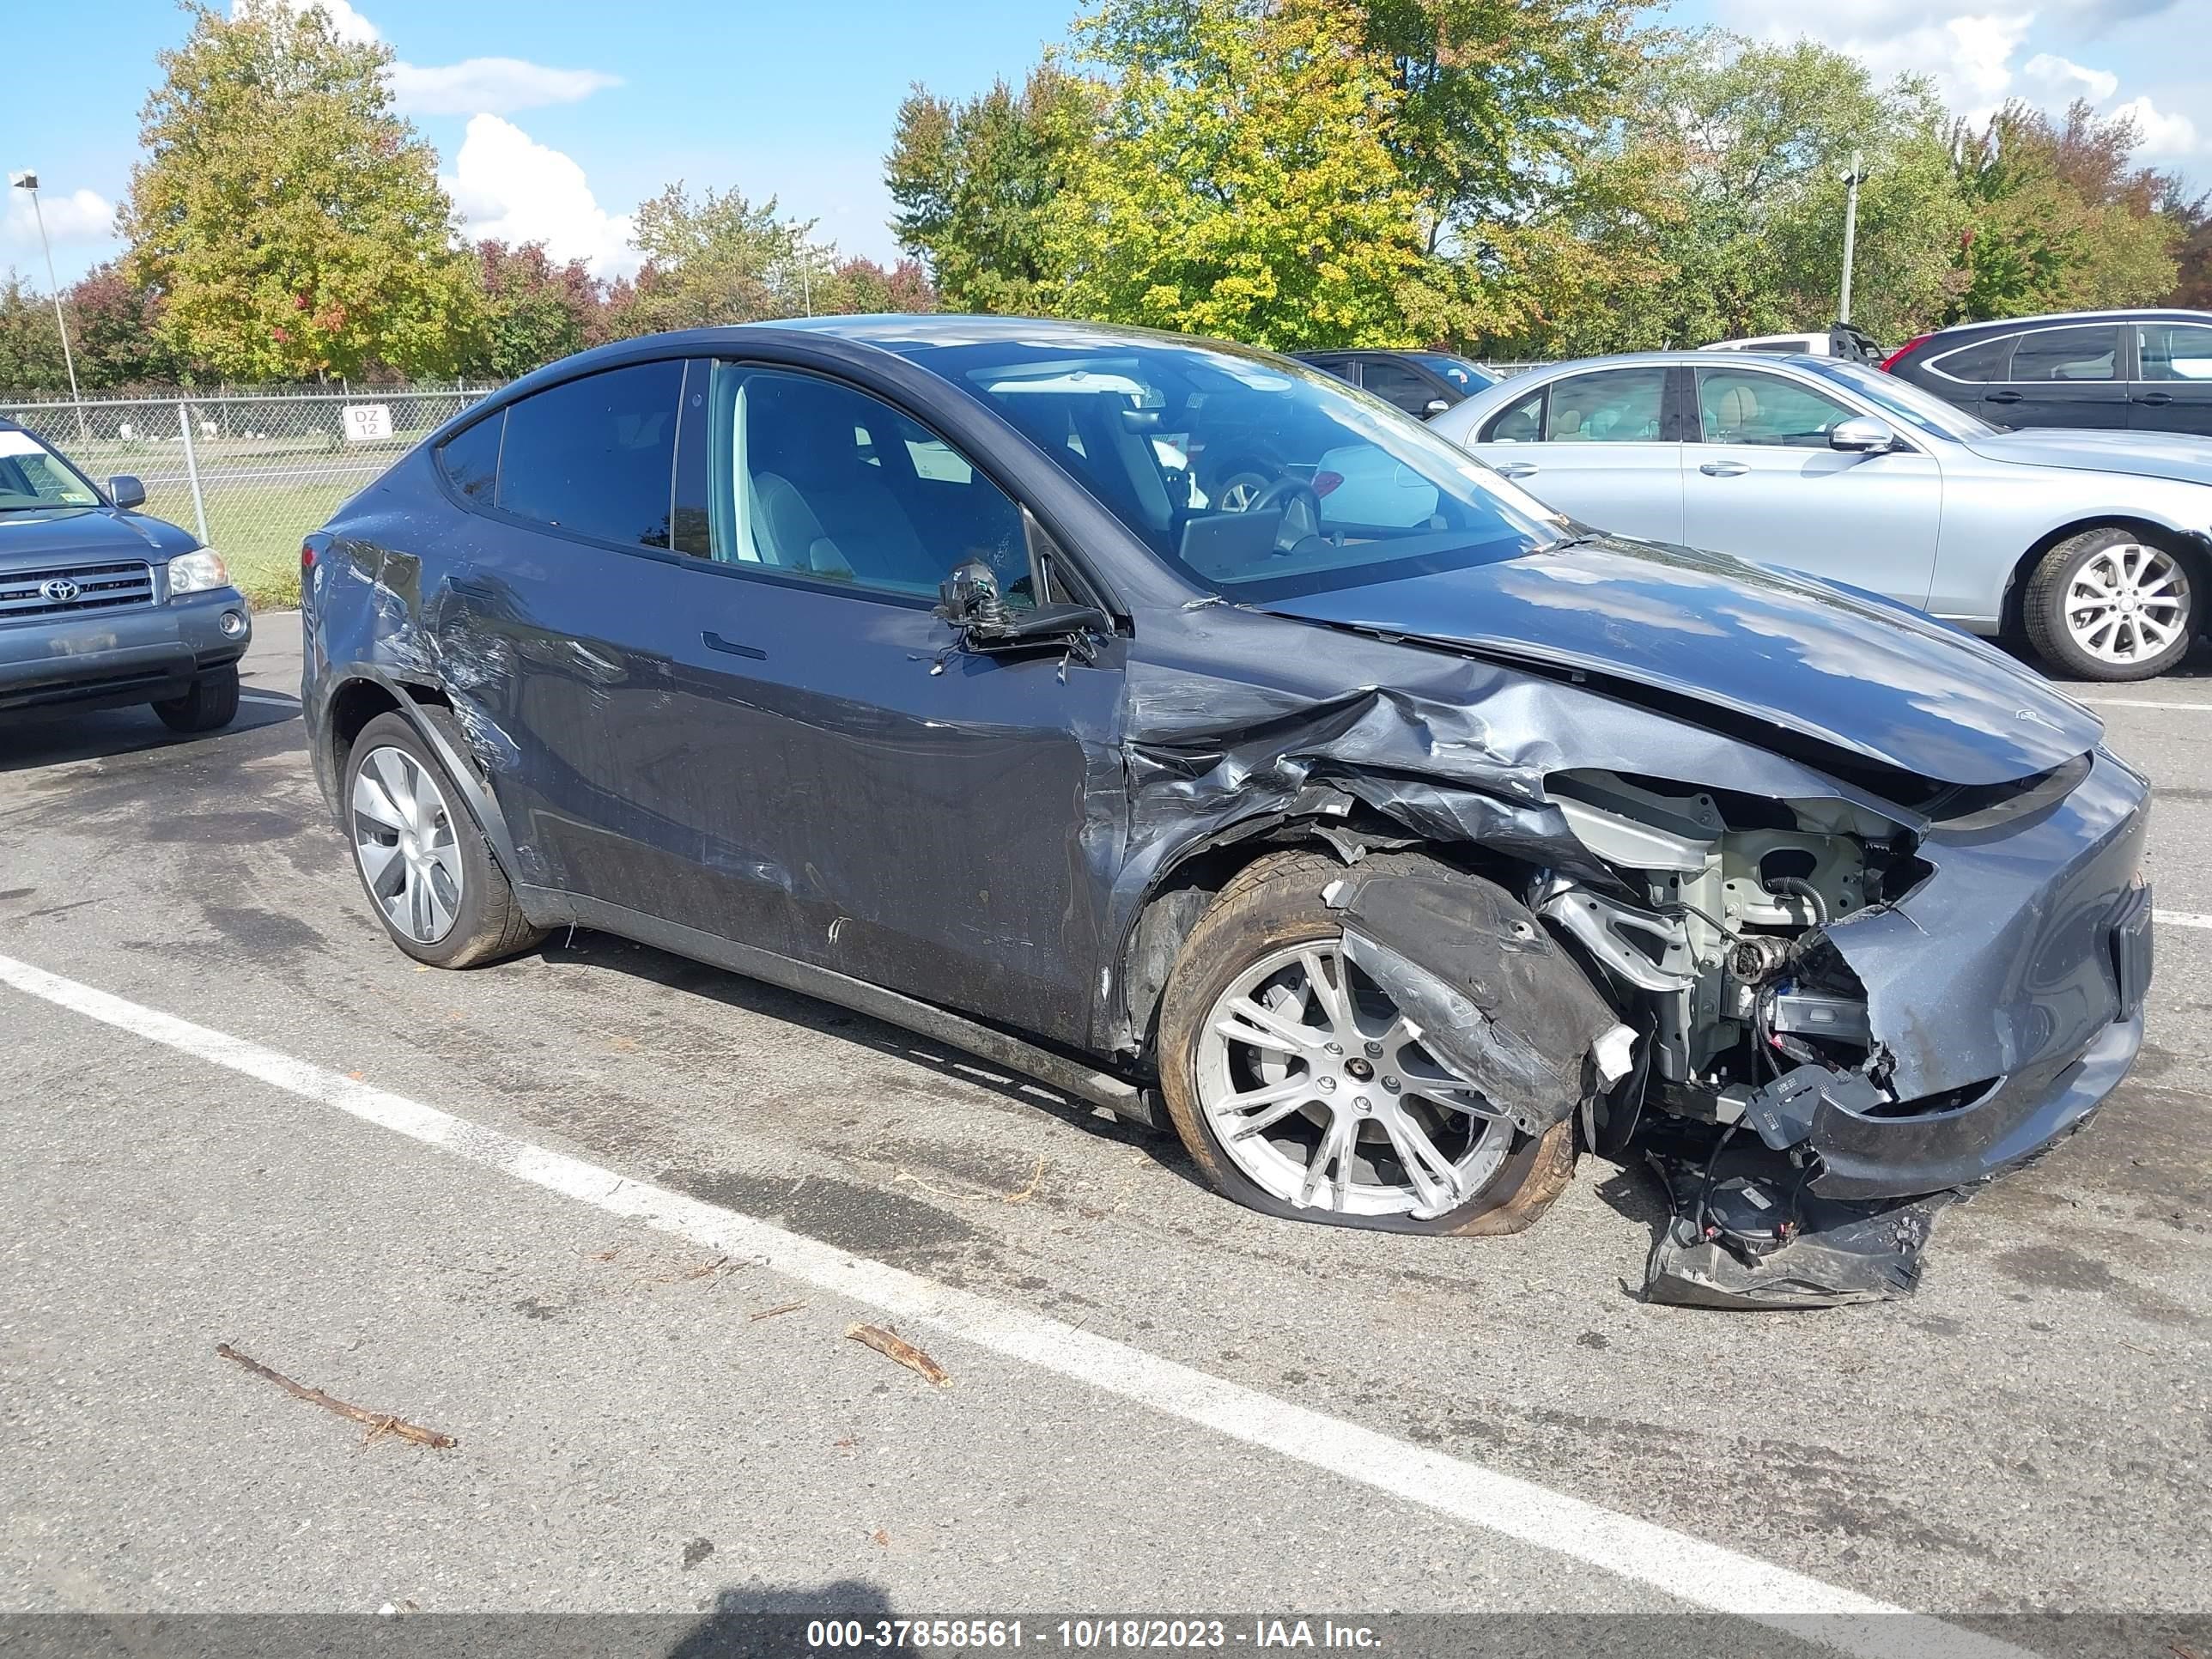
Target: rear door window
(1978,364)
(596,456)
(1520,424)
(2068,354)
(1612,406)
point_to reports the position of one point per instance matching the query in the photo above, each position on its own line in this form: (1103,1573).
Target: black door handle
(2001,397)
(716,642)
(2159,399)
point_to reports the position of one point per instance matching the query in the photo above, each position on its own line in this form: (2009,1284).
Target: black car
(2141,371)
(1422,383)
(1384,834)
(102,606)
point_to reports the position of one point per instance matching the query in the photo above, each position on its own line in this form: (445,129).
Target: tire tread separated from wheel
(1276,901)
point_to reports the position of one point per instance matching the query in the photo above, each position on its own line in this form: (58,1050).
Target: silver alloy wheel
(1312,1082)
(2127,603)
(402,837)
(1240,492)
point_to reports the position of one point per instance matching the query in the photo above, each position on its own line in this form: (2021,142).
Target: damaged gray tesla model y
(1181,727)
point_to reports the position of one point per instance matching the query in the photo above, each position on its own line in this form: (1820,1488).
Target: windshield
(1469,378)
(32,476)
(1906,401)
(1256,477)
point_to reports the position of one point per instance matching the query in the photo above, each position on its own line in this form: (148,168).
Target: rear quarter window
(469,459)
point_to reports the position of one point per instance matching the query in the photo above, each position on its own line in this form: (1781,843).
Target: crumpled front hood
(1842,667)
(68,535)
(2175,455)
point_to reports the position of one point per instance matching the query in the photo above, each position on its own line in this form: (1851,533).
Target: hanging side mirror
(970,601)
(1434,407)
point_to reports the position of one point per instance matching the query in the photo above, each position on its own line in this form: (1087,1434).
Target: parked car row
(1181,725)
(2087,543)
(1386,807)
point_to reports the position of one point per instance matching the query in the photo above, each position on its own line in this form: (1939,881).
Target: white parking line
(2181,918)
(1686,1568)
(2139,702)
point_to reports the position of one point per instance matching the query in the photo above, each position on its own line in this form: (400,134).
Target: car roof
(2129,313)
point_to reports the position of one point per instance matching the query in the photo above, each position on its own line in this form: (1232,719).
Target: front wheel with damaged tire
(1302,1091)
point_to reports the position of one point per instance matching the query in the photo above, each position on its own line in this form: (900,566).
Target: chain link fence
(248,475)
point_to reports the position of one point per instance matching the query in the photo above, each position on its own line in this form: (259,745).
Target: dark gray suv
(2132,371)
(102,606)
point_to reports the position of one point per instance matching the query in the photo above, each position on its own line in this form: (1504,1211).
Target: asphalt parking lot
(331,1168)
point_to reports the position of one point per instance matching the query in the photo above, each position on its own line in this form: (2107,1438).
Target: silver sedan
(2093,546)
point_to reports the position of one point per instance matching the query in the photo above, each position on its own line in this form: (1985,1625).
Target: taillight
(1905,352)
(306,557)
(1325,482)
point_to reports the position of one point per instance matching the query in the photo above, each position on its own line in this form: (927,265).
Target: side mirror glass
(126,491)
(1434,407)
(1862,434)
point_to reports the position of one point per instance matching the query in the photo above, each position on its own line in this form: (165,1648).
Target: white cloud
(346,23)
(495,86)
(508,186)
(2061,82)
(474,86)
(2163,136)
(83,215)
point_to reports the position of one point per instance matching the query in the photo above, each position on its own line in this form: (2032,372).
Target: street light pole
(30,181)
(1851,230)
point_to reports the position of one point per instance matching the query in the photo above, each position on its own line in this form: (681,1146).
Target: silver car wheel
(404,839)
(2127,603)
(1323,1097)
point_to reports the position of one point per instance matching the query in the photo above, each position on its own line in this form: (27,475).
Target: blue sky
(553,120)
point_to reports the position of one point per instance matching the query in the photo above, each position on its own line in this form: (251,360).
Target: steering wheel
(1300,508)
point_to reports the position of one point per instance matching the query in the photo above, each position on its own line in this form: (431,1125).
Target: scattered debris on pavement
(378,1424)
(770,1313)
(896,1347)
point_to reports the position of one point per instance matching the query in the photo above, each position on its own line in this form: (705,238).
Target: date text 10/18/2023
(1083,1635)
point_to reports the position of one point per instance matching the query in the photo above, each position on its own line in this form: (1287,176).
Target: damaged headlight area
(1758,1033)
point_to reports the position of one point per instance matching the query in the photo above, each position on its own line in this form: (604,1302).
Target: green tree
(2062,219)
(716,261)
(972,182)
(30,349)
(1239,182)
(534,310)
(292,222)
(1725,170)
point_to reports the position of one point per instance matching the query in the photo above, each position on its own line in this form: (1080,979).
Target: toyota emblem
(61,590)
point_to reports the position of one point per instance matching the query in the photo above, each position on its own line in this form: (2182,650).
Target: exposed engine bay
(1721,939)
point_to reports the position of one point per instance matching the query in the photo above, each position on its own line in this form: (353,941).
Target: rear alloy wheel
(2107,605)
(1302,1092)
(423,862)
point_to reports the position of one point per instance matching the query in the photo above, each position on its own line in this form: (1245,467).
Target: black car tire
(488,924)
(2043,610)
(208,706)
(1274,903)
